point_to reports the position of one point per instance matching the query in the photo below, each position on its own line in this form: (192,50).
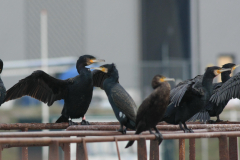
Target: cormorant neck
(207,82)
(81,67)
(225,76)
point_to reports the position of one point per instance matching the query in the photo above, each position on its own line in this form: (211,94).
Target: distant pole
(44,59)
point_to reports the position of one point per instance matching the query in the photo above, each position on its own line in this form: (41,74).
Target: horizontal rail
(47,140)
(39,126)
(235,127)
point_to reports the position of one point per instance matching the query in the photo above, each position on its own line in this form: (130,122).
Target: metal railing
(106,132)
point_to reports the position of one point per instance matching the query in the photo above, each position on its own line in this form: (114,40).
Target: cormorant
(106,77)
(189,97)
(2,88)
(212,109)
(76,91)
(152,109)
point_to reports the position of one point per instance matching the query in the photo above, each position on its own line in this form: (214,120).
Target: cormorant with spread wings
(76,91)
(189,97)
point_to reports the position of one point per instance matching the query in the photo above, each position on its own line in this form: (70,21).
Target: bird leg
(218,119)
(189,130)
(181,127)
(158,135)
(84,122)
(123,131)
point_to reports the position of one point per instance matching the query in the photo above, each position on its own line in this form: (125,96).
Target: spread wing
(98,78)
(178,92)
(124,102)
(230,89)
(41,86)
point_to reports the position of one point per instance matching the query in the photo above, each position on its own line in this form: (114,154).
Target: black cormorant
(76,91)
(152,109)
(125,109)
(2,88)
(211,109)
(189,97)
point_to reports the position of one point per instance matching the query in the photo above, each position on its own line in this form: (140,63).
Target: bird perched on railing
(106,77)
(152,109)
(212,109)
(190,96)
(76,91)
(2,87)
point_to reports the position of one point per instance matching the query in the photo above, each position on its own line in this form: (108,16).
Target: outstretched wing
(178,92)
(124,102)
(230,89)
(41,86)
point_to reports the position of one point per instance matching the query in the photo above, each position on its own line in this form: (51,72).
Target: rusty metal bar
(82,151)
(67,151)
(181,149)
(53,151)
(233,148)
(223,148)
(1,152)
(47,140)
(211,127)
(192,149)
(142,149)
(119,158)
(154,150)
(25,149)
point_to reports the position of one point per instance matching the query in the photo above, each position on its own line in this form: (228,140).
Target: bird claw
(84,122)
(159,137)
(123,131)
(72,123)
(188,131)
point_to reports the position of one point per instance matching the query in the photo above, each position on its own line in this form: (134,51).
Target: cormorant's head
(230,65)
(215,70)
(158,79)
(1,66)
(86,60)
(109,69)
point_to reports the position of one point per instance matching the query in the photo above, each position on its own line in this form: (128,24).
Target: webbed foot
(159,137)
(72,123)
(84,122)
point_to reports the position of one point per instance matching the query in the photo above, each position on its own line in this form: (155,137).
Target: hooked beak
(96,60)
(235,67)
(223,70)
(103,69)
(166,79)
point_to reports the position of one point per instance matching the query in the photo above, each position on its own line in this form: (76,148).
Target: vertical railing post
(192,149)
(53,151)
(119,158)
(142,149)
(25,149)
(154,150)
(181,149)
(1,148)
(66,150)
(233,148)
(223,148)
(82,151)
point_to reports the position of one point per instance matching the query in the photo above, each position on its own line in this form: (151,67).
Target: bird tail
(130,143)
(62,119)
(202,116)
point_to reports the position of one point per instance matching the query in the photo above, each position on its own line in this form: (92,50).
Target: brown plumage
(153,107)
